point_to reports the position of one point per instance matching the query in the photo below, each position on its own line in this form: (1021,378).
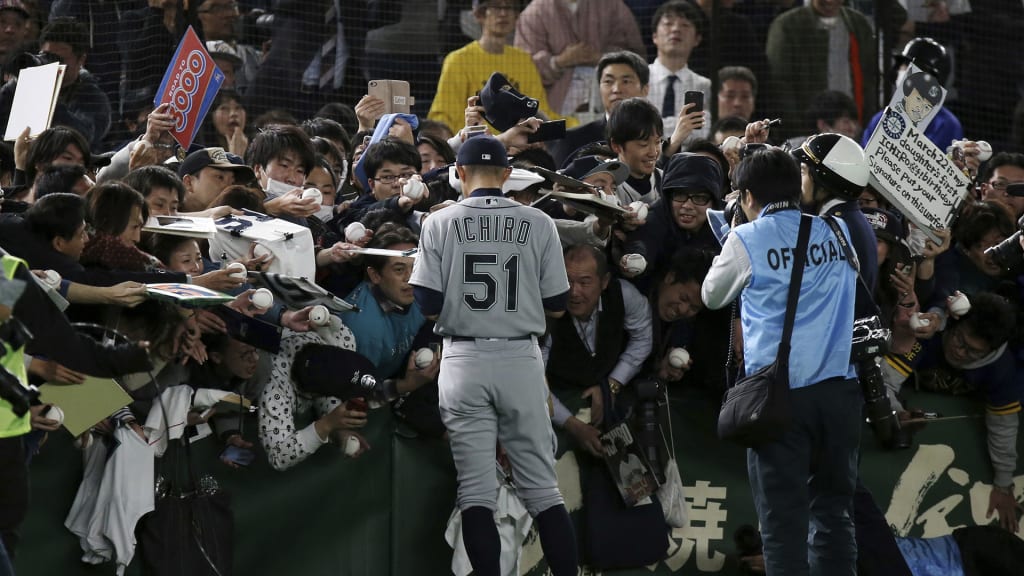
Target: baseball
(262,298)
(917,322)
(355,232)
(640,209)
(959,304)
(260,251)
(319,315)
(52,279)
(634,263)
(351,446)
(238,270)
(313,193)
(54,413)
(414,189)
(678,357)
(984,150)
(731,143)
(424,356)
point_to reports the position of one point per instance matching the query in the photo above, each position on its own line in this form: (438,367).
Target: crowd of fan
(77,197)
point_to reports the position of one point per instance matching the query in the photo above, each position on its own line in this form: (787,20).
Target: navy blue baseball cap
(504,105)
(482,151)
(885,224)
(585,166)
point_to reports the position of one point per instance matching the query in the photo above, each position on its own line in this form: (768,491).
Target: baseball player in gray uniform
(488,270)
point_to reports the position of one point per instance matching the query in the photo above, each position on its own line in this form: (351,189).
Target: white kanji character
(704,520)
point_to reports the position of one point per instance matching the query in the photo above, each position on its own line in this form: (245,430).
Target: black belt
(474,339)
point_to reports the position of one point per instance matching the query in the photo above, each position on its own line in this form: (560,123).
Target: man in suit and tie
(621,75)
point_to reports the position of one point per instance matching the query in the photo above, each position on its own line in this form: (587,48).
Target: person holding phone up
(676,90)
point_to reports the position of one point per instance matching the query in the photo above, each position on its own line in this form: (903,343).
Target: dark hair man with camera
(815,461)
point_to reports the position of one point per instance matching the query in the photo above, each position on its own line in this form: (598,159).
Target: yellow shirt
(466,70)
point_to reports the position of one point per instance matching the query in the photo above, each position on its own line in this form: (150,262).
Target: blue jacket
(942,130)
(824,315)
(385,338)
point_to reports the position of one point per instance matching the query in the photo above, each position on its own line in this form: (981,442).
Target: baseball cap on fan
(504,105)
(482,151)
(585,166)
(16,5)
(217,158)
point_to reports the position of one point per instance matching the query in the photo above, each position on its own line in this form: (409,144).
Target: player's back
(497,261)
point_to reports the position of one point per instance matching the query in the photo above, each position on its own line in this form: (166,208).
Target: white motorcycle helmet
(836,163)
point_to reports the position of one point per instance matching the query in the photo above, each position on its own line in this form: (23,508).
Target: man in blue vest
(807,477)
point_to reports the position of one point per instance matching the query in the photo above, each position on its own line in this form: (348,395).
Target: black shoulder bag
(755,410)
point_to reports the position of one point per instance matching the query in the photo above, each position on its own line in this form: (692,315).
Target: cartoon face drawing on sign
(921,94)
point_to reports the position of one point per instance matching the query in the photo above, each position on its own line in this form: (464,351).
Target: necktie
(668,105)
(328,56)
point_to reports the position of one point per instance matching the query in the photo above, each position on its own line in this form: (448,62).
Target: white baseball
(239,270)
(260,251)
(424,356)
(959,304)
(634,263)
(51,278)
(984,150)
(414,189)
(640,209)
(313,193)
(732,142)
(55,413)
(320,315)
(678,357)
(917,322)
(351,446)
(262,298)
(355,232)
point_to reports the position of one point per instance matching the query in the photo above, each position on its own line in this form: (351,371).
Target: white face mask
(611,198)
(325,213)
(343,176)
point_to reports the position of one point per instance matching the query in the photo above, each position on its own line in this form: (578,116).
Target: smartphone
(553,130)
(236,455)
(694,97)
(394,93)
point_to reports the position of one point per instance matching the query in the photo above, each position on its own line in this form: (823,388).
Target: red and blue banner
(190,84)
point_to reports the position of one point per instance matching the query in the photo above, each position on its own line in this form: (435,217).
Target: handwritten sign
(914,175)
(189,85)
(918,96)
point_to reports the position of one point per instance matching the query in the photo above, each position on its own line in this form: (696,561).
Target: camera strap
(795,280)
(851,259)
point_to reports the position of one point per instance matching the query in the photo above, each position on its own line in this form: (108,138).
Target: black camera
(1008,254)
(649,395)
(20,397)
(733,213)
(870,342)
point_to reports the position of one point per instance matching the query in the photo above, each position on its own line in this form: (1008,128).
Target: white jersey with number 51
(495,261)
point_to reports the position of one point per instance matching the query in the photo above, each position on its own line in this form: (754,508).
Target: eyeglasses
(231,7)
(1001,185)
(960,341)
(698,198)
(392,178)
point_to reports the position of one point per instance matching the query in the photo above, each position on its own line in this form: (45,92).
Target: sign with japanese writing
(190,84)
(914,175)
